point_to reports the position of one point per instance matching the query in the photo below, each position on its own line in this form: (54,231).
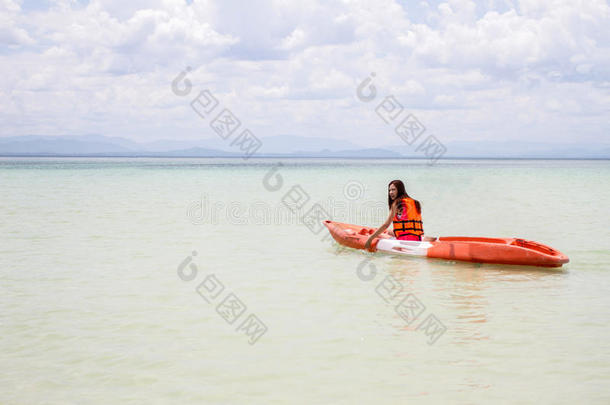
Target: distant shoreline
(292,157)
(289,147)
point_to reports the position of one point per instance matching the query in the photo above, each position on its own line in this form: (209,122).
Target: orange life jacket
(407,220)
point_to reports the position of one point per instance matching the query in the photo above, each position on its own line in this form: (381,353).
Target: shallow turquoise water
(94,310)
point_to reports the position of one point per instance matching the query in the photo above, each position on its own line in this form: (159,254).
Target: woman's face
(392,191)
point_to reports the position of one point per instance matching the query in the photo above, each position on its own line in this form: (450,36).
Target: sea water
(144,280)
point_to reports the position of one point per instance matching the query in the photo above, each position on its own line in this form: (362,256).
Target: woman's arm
(382,228)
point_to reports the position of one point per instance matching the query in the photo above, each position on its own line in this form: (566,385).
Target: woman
(405,214)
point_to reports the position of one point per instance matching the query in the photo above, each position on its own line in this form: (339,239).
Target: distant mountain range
(285,146)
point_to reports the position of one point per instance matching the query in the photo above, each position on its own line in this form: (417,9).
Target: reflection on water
(464,290)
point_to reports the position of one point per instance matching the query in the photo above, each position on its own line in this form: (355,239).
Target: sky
(530,70)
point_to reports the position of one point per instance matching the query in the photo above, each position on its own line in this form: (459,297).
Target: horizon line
(297,157)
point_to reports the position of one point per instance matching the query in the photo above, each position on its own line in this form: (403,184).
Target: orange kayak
(471,249)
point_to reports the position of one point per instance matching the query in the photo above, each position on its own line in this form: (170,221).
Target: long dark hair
(401,193)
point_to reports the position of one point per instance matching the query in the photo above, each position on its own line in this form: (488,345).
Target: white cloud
(297,38)
(511,41)
(10,33)
(470,71)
